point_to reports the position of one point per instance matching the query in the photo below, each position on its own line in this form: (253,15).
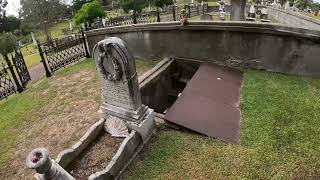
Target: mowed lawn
(280,137)
(52,112)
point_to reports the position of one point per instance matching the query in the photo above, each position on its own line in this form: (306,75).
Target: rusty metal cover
(210,103)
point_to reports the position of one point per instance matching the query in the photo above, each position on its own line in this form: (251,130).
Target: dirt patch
(96,157)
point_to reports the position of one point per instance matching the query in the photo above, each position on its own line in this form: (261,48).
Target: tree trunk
(238,10)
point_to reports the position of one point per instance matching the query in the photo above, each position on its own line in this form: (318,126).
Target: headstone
(121,96)
(206,17)
(35,43)
(264,13)
(287,5)
(70,26)
(252,11)
(104,22)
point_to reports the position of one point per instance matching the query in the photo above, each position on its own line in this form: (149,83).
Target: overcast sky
(14,5)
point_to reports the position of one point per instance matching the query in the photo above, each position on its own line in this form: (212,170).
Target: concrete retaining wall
(271,47)
(293,18)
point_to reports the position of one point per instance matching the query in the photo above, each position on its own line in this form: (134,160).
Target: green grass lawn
(311,15)
(280,137)
(31,55)
(56,30)
(52,112)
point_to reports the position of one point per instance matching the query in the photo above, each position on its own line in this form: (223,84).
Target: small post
(174,12)
(134,17)
(85,44)
(10,66)
(46,169)
(189,11)
(198,12)
(46,68)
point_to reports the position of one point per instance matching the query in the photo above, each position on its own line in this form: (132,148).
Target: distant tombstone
(252,11)
(35,43)
(122,105)
(287,5)
(104,22)
(70,26)
(264,13)
(206,17)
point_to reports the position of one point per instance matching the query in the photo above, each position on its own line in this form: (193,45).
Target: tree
(135,5)
(3,4)
(302,4)
(237,10)
(8,42)
(161,3)
(89,12)
(77,4)
(10,24)
(42,13)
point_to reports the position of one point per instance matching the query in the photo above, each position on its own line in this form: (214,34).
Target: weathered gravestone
(206,17)
(122,106)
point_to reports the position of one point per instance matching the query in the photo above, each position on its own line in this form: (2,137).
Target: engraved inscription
(117,94)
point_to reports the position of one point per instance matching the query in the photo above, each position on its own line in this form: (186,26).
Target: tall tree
(42,13)
(3,4)
(237,10)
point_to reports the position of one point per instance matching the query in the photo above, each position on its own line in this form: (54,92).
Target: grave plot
(95,157)
(125,126)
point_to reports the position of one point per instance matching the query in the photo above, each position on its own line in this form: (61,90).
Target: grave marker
(122,105)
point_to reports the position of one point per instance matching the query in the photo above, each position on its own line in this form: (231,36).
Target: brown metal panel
(210,103)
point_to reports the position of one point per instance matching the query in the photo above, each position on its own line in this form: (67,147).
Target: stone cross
(119,80)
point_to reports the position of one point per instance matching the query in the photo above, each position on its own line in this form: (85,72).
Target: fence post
(198,12)
(46,68)
(189,11)
(174,12)
(10,66)
(134,17)
(85,43)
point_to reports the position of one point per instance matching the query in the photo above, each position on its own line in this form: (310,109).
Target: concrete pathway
(37,72)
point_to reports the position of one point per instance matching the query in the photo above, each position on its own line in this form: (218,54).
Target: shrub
(89,12)
(8,42)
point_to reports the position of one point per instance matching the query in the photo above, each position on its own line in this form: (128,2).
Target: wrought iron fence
(21,68)
(7,86)
(9,70)
(59,53)
(172,13)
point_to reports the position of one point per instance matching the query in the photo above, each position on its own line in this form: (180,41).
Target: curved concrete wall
(293,18)
(266,46)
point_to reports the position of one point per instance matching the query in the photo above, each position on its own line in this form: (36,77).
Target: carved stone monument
(122,106)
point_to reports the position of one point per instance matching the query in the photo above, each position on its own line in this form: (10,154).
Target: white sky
(14,5)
